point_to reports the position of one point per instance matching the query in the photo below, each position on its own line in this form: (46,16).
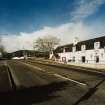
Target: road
(38,84)
(91,79)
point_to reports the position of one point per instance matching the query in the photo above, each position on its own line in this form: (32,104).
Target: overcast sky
(22,21)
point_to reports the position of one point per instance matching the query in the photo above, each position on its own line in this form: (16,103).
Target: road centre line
(55,74)
(77,82)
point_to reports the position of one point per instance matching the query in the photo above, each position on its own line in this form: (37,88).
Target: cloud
(66,32)
(85,8)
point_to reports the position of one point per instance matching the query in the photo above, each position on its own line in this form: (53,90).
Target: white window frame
(96,45)
(83,47)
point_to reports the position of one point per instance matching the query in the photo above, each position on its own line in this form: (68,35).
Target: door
(97,59)
(63,59)
(83,59)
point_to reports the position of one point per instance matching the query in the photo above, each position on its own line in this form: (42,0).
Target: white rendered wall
(89,56)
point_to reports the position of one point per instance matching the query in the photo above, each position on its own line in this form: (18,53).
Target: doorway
(63,59)
(97,59)
(83,59)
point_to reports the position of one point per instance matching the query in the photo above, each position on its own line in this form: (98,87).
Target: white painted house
(88,51)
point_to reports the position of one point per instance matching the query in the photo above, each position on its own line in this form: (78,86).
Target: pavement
(38,84)
(94,66)
(97,66)
(5,83)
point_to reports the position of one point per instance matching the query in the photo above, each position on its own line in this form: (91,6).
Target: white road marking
(57,75)
(77,82)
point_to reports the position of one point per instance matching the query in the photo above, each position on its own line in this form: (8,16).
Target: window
(97,45)
(83,47)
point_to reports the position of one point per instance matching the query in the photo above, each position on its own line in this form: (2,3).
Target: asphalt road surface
(88,78)
(38,84)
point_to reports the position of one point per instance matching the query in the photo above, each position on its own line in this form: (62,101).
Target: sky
(23,21)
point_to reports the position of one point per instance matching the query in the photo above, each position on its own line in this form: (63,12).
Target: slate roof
(89,45)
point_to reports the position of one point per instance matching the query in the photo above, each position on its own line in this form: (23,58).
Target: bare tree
(46,43)
(1,46)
